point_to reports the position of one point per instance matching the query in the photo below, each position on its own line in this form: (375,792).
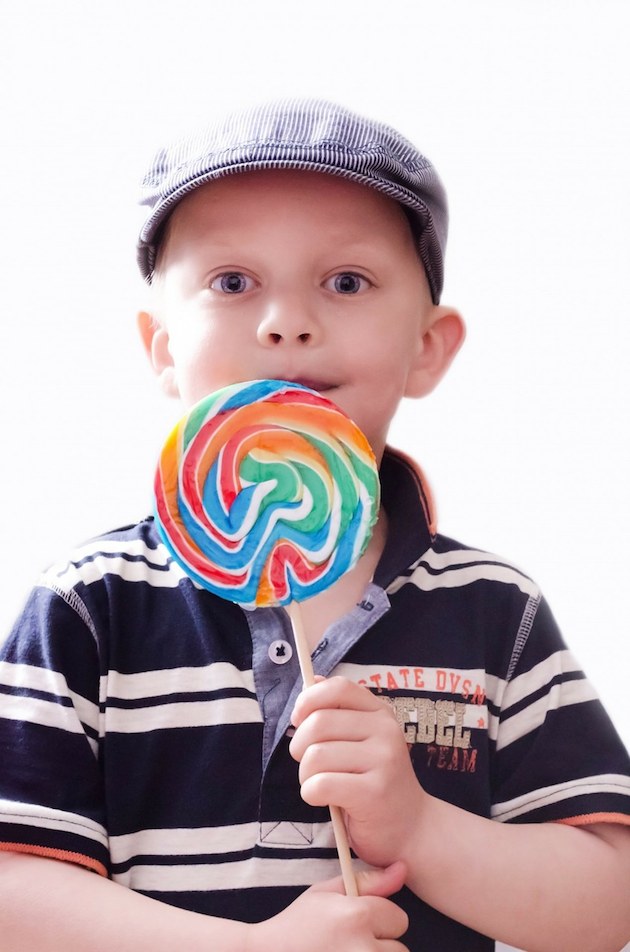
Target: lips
(321,386)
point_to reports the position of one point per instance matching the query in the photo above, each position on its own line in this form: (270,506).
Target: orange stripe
(588,818)
(77,858)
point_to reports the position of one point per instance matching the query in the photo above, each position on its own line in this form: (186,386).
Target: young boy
(150,732)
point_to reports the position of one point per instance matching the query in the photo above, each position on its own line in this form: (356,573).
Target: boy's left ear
(443,335)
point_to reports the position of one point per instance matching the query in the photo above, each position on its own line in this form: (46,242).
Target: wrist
(423,831)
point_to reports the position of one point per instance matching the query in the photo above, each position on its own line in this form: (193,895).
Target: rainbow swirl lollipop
(266,493)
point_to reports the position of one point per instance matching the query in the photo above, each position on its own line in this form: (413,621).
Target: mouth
(312,383)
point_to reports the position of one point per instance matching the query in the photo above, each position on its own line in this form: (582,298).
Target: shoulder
(448,564)
(119,574)
(129,554)
(475,606)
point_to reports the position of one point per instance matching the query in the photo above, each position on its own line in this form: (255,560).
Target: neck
(322,610)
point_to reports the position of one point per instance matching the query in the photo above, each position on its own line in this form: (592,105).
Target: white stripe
(442,560)
(46,713)
(245,874)
(533,717)
(32,814)
(495,688)
(219,840)
(185,842)
(489,568)
(557,664)
(96,569)
(230,710)
(52,682)
(211,677)
(464,681)
(456,578)
(546,796)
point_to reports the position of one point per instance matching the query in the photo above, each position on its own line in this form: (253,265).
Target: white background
(523,107)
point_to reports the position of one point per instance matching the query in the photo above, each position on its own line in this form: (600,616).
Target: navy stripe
(118,557)
(542,692)
(219,859)
(21,691)
(157,700)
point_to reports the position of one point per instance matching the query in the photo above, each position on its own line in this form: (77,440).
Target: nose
(287,323)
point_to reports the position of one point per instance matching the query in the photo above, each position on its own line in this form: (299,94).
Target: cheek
(205,360)
(386,368)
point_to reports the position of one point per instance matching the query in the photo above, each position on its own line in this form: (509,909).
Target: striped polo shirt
(144,722)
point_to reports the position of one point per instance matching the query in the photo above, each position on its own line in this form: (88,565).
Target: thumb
(382,882)
(373,882)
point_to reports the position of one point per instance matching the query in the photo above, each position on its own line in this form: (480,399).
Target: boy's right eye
(232,282)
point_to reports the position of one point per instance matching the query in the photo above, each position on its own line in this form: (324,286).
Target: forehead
(320,199)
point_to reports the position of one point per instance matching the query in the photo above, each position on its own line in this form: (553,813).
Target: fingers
(375,722)
(349,792)
(389,921)
(381,917)
(371,882)
(342,756)
(327,726)
(349,742)
(334,693)
(336,745)
(370,920)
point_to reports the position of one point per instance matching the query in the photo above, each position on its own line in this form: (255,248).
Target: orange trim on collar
(77,858)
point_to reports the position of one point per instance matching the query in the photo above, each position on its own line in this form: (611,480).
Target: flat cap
(308,134)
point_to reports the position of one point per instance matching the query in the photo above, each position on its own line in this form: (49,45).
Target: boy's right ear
(155,339)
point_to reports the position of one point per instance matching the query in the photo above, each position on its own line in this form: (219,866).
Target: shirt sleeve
(558,756)
(51,787)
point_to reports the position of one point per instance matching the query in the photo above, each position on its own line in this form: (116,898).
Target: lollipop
(266,494)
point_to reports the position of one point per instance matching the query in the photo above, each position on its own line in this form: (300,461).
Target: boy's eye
(347,282)
(232,282)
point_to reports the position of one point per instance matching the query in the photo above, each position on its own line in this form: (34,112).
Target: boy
(146,725)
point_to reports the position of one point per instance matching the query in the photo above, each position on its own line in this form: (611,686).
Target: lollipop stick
(336,815)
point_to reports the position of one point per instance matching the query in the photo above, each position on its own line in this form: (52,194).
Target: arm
(543,887)
(52,906)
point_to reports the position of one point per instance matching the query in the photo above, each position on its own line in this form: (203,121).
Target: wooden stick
(336,814)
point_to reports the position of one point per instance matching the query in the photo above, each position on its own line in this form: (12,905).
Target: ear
(156,344)
(443,335)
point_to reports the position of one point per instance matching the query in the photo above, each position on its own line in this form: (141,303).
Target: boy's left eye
(347,282)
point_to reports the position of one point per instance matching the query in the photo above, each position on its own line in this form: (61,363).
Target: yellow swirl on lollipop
(266,493)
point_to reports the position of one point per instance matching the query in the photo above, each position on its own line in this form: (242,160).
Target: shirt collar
(408,502)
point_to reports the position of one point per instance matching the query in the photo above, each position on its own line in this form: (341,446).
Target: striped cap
(304,134)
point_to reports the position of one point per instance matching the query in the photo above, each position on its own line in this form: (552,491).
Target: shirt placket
(277,678)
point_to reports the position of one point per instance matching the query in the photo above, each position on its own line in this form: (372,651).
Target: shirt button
(280,652)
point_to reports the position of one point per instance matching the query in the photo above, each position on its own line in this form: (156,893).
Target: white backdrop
(523,108)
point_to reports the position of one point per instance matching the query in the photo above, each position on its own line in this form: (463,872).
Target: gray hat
(301,134)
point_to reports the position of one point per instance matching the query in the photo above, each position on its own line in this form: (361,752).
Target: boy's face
(298,276)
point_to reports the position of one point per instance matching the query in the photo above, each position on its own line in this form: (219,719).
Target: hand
(353,754)
(324,918)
